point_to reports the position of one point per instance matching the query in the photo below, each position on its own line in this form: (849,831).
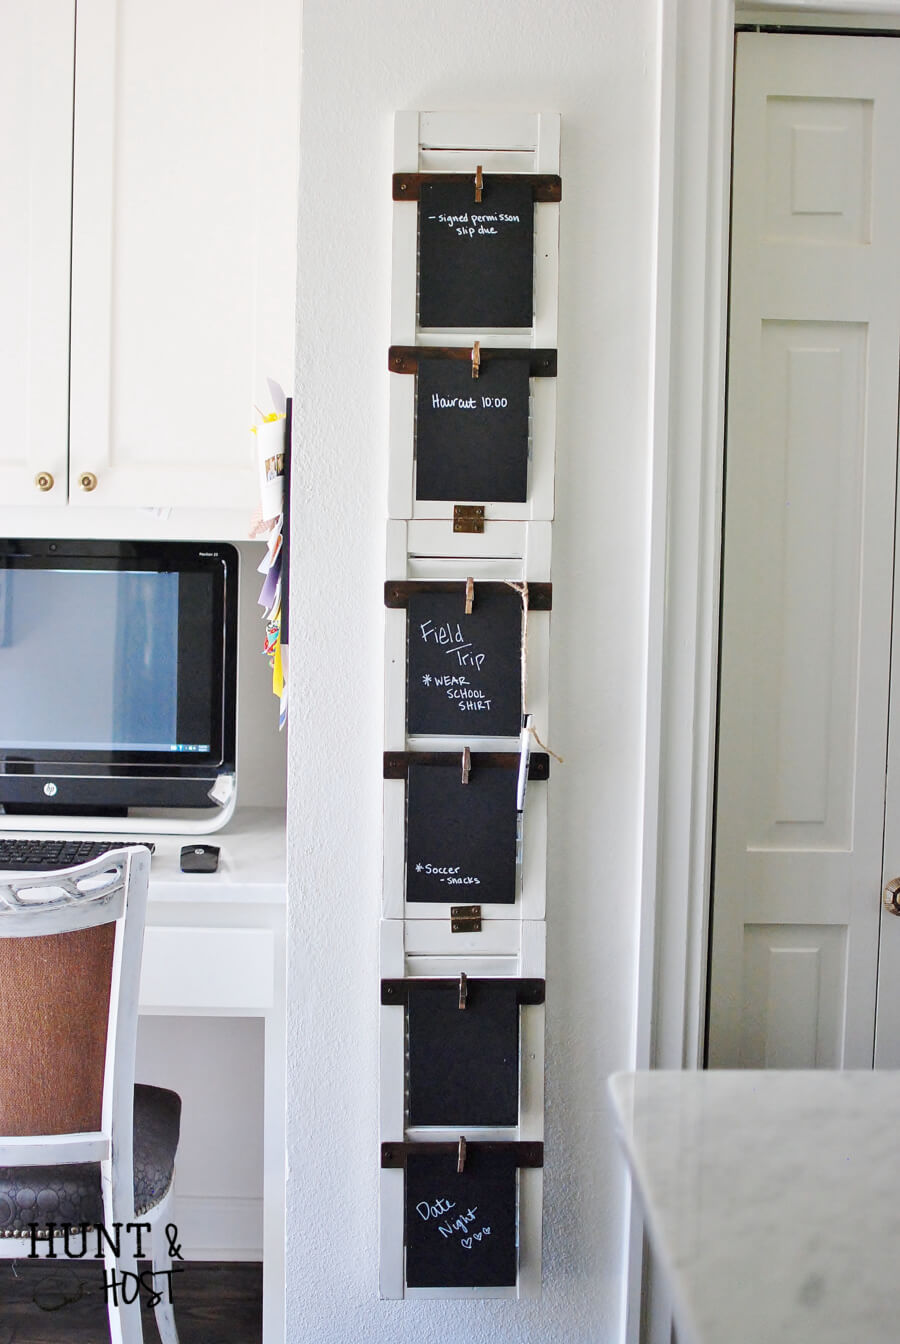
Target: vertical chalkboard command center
(472,363)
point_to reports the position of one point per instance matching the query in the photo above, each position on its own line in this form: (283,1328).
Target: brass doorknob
(87,480)
(44,480)
(891,896)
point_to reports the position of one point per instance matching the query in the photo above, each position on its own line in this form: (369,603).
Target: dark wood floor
(42,1303)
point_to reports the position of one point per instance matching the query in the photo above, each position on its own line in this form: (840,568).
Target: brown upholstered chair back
(54,1011)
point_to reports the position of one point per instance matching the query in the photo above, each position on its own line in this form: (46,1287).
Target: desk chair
(79,1143)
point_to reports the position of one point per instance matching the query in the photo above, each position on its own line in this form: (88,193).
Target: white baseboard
(219,1228)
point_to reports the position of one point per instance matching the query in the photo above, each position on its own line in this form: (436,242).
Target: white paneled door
(808,797)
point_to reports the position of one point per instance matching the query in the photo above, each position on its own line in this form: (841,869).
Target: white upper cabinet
(37,45)
(182,206)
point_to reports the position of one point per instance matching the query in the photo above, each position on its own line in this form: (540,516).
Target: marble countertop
(772,1201)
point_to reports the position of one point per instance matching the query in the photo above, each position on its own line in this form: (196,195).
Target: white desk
(214,946)
(772,1201)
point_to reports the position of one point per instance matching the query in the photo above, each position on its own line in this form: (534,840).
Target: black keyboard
(45,855)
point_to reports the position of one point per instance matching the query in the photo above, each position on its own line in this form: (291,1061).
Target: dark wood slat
(398,991)
(397,763)
(547,186)
(542,363)
(527,1154)
(397,591)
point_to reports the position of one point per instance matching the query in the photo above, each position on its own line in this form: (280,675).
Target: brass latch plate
(465,919)
(468,517)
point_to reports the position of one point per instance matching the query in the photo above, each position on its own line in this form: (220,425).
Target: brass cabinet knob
(87,480)
(891,896)
(44,480)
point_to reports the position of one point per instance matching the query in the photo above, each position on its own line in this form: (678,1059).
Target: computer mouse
(199,858)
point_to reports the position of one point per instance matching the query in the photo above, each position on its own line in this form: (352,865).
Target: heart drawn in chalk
(467,1242)
(477,1236)
(486,1231)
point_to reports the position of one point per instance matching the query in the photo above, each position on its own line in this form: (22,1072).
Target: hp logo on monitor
(50,789)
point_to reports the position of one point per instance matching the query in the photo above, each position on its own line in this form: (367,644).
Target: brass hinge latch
(468,517)
(465,919)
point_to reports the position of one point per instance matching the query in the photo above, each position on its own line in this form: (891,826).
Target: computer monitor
(118,678)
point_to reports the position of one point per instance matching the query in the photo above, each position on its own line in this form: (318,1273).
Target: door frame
(693,176)
(696,70)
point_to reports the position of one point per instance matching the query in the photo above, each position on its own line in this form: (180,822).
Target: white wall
(595,63)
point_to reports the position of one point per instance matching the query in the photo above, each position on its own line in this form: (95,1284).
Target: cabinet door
(37,47)
(184,251)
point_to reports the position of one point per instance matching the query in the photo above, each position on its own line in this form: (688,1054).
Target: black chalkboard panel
(476,262)
(472,433)
(464,1062)
(461,838)
(464,673)
(461,1226)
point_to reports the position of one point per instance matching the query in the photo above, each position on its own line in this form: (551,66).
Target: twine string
(522,590)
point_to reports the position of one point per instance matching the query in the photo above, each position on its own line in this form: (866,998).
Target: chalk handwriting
(441,634)
(468,697)
(475,223)
(460,1224)
(464,658)
(455,1225)
(435,1210)
(453,637)
(439,403)
(450,875)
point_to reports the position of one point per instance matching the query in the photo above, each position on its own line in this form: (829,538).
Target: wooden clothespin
(470,595)
(461,1156)
(476,359)
(466,764)
(463,989)
(479,184)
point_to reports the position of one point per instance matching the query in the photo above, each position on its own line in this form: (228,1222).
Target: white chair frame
(113,887)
